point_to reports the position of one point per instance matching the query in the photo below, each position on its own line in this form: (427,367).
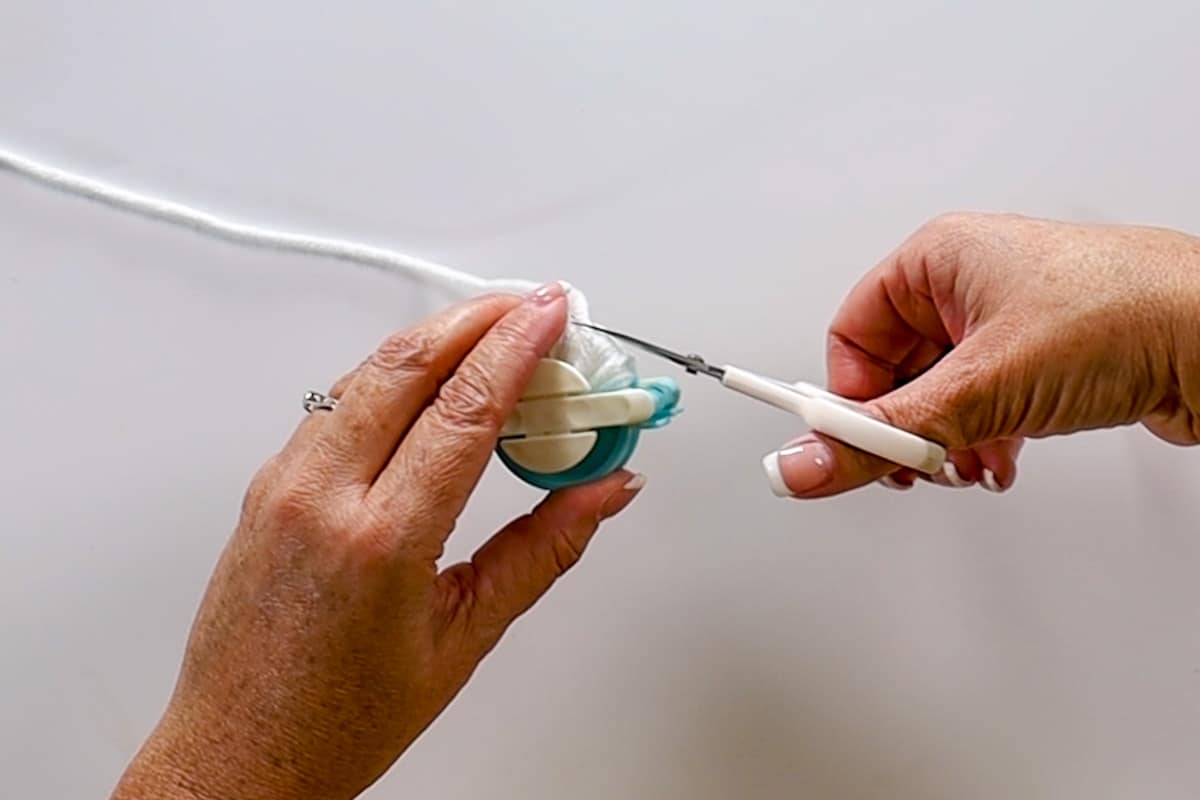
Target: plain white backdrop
(715,176)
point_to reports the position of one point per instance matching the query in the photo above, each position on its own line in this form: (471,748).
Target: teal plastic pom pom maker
(563,433)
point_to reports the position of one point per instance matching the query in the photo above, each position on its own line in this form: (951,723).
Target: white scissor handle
(837,418)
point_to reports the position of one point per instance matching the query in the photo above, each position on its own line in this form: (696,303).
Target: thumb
(518,565)
(951,404)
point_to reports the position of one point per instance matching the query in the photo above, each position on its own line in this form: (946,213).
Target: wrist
(191,757)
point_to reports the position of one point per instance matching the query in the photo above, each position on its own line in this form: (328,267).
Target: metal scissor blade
(693,363)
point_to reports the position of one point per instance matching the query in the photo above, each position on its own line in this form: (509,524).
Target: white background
(714,175)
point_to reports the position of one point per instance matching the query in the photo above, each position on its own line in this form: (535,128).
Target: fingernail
(774,476)
(888,482)
(939,478)
(952,477)
(636,483)
(991,483)
(547,293)
(807,467)
(621,498)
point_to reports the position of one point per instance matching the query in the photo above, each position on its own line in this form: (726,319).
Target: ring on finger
(315,401)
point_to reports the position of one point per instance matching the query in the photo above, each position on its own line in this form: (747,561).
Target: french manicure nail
(798,469)
(990,483)
(939,478)
(621,498)
(547,293)
(636,483)
(774,476)
(952,476)
(891,483)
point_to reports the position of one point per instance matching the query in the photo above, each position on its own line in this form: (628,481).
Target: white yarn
(601,360)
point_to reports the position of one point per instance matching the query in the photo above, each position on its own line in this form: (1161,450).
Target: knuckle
(260,484)
(377,543)
(946,417)
(373,537)
(410,351)
(565,545)
(267,471)
(565,551)
(949,235)
(967,419)
(509,337)
(508,347)
(475,398)
(297,503)
(493,303)
(949,222)
(343,383)
(469,401)
(930,416)
(956,411)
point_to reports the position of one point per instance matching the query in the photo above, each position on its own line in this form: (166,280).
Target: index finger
(355,441)
(439,462)
(888,329)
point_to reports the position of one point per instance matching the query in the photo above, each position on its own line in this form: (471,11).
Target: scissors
(826,413)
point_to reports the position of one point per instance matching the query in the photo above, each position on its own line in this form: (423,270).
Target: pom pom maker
(563,433)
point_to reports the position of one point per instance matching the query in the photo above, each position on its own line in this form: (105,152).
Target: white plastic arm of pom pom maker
(548,415)
(553,426)
(837,418)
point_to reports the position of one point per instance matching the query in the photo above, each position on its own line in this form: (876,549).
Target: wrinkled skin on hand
(328,639)
(983,330)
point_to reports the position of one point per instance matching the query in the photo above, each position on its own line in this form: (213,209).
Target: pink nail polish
(546,294)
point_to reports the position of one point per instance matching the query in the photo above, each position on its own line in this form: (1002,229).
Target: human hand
(983,330)
(328,640)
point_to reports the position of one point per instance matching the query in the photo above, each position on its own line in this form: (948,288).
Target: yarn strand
(600,359)
(213,225)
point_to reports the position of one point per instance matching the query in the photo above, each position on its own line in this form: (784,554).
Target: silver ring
(315,401)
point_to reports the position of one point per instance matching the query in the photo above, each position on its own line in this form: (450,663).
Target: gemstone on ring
(315,401)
